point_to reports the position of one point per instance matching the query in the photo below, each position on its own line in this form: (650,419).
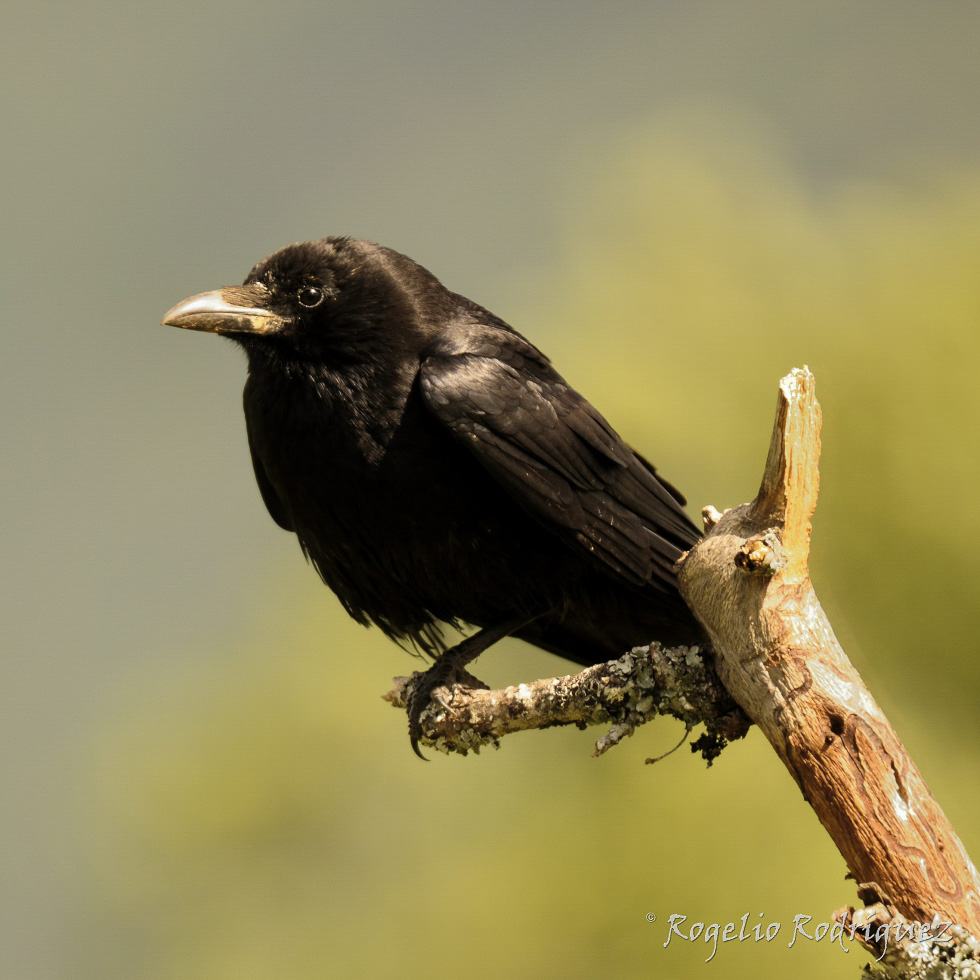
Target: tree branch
(748,583)
(623,693)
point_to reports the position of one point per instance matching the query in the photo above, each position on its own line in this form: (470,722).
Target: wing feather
(558,457)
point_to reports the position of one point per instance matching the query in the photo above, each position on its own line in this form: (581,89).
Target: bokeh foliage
(267,818)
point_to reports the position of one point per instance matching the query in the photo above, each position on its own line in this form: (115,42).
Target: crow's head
(334,300)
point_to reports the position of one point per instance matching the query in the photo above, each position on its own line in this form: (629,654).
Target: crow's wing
(557,456)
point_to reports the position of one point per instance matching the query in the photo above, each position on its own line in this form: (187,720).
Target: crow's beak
(235,309)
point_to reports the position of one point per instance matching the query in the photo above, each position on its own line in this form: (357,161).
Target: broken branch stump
(748,583)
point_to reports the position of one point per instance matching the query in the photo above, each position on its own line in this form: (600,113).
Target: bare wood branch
(748,583)
(623,693)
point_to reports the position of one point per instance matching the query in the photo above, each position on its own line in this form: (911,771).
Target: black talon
(449,669)
(421,698)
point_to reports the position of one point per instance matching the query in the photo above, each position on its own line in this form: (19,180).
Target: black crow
(438,471)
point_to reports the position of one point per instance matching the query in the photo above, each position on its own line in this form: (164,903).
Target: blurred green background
(679,202)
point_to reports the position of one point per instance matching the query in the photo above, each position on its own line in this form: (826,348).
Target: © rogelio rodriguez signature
(802,929)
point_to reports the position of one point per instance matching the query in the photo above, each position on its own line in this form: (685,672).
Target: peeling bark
(777,655)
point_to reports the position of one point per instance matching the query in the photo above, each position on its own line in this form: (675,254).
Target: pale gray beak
(234,309)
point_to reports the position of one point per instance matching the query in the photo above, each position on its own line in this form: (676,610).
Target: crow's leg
(450,668)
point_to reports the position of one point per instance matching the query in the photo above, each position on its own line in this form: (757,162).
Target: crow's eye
(310,296)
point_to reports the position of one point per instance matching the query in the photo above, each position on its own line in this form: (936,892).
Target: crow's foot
(449,669)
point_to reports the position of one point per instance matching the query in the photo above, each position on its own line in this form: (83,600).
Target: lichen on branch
(624,694)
